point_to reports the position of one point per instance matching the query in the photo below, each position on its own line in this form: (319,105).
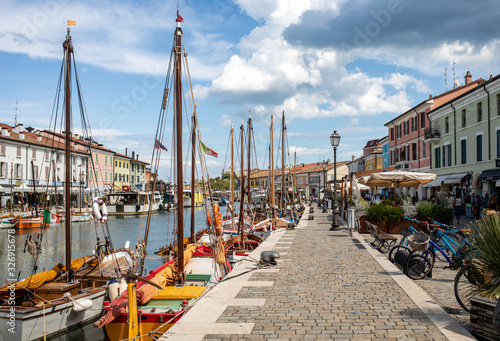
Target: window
(3,169)
(90,175)
(446,125)
(47,155)
(424,150)
(18,151)
(119,163)
(47,173)
(132,167)
(479,148)
(127,165)
(414,151)
(498,105)
(464,119)
(96,176)
(498,143)
(127,178)
(116,163)
(437,157)
(392,134)
(19,171)
(96,157)
(463,146)
(479,112)
(115,177)
(422,119)
(2,148)
(35,173)
(407,152)
(106,176)
(106,160)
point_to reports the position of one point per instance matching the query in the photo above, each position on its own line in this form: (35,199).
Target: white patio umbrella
(400,179)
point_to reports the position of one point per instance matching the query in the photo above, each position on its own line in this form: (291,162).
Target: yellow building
(373,161)
(121,179)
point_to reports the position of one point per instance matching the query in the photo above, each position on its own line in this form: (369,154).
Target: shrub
(383,212)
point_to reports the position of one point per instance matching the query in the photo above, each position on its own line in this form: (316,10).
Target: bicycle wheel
(464,289)
(440,257)
(419,265)
(395,249)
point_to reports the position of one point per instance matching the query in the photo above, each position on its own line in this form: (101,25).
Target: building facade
(466,150)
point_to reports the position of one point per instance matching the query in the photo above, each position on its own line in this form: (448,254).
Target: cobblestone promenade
(326,285)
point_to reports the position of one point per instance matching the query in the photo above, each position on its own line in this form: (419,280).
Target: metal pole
(335,210)
(324,189)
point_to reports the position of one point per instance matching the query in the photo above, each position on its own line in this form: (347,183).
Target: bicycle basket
(418,241)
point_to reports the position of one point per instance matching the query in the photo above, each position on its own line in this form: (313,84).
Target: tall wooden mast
(193,164)
(249,192)
(178,135)
(273,220)
(231,178)
(242,185)
(68,48)
(283,194)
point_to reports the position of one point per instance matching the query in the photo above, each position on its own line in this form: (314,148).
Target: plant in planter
(408,208)
(385,213)
(483,272)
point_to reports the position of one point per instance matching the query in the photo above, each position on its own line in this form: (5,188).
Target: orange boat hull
(26,223)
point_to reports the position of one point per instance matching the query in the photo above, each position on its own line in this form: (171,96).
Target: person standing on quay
(458,205)
(468,206)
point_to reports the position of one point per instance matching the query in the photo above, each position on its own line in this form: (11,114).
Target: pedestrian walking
(468,206)
(478,207)
(458,208)
(485,201)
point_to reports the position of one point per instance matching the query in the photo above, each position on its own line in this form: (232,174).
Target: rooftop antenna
(454,78)
(15,117)
(445,79)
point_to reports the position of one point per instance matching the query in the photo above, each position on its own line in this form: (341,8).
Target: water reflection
(84,235)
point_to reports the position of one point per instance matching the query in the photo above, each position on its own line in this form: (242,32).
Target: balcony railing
(432,133)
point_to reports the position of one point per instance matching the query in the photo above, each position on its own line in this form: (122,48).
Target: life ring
(126,188)
(100,210)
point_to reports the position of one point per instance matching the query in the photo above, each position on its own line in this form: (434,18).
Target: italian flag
(207,150)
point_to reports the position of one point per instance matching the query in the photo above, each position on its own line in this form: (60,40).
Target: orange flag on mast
(71,22)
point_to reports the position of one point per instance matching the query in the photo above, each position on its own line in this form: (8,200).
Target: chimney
(133,155)
(21,136)
(137,157)
(468,78)
(352,157)
(126,152)
(491,77)
(18,128)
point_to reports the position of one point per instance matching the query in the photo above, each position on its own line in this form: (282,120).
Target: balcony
(432,134)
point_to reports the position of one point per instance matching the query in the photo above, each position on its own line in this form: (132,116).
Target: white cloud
(354,121)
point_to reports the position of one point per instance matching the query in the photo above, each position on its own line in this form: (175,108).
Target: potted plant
(484,271)
(386,215)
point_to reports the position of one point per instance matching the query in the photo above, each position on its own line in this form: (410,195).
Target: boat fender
(113,288)
(269,257)
(137,207)
(209,219)
(82,304)
(184,305)
(160,207)
(100,210)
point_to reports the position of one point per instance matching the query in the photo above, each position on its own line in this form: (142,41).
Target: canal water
(84,241)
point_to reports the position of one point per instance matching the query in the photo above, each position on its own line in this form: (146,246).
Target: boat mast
(193,162)
(283,201)
(232,176)
(249,191)
(178,133)
(242,184)
(11,189)
(272,175)
(68,47)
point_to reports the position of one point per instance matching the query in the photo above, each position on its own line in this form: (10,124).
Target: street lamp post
(324,186)
(335,141)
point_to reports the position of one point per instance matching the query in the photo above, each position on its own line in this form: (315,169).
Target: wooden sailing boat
(145,312)
(53,301)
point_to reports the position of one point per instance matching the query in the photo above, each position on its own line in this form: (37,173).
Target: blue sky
(349,66)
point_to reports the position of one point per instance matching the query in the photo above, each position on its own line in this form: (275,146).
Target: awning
(497,184)
(437,182)
(491,174)
(455,178)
